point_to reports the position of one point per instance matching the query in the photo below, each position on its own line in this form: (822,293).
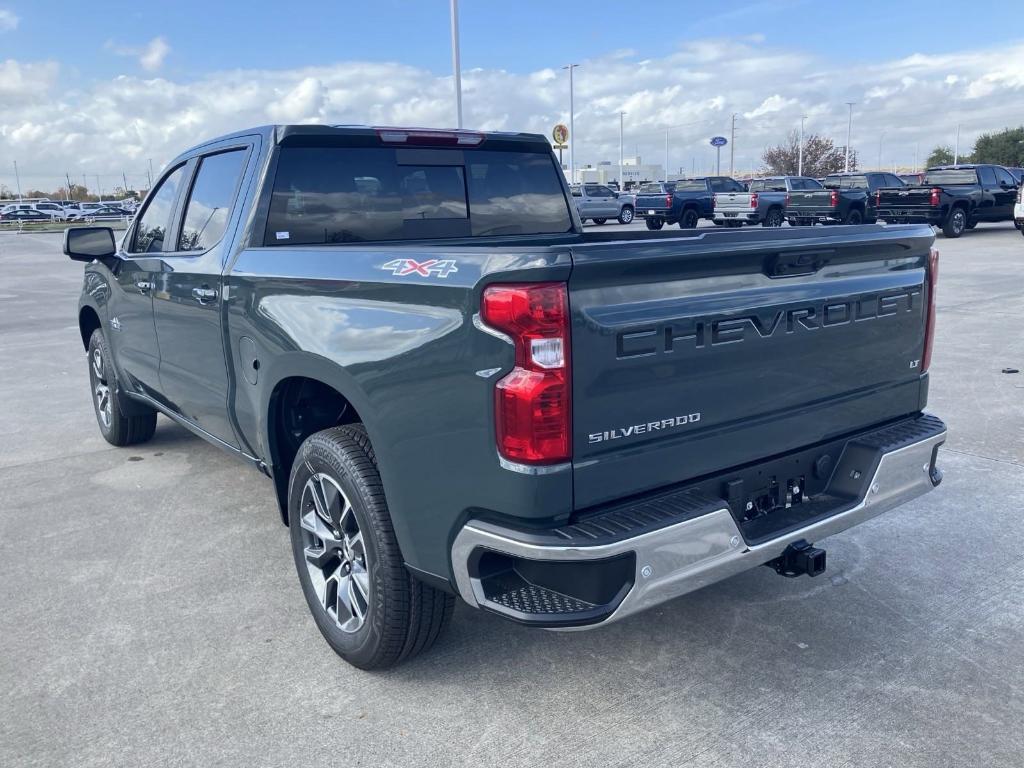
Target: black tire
(600,221)
(401,616)
(955,223)
(121,422)
(689,219)
(854,216)
(626,214)
(773,218)
(654,224)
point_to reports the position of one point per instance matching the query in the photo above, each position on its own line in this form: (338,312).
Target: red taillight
(929,327)
(714,200)
(934,199)
(878,198)
(753,199)
(668,200)
(786,200)
(533,403)
(833,197)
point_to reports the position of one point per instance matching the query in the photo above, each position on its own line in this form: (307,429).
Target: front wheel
(626,215)
(120,423)
(365,603)
(689,219)
(773,218)
(955,223)
(654,224)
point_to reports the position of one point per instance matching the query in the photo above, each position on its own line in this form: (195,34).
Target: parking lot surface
(151,615)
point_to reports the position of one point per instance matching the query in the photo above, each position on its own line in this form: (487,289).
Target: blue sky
(101,88)
(519,37)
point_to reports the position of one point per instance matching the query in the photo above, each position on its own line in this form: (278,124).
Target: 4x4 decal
(437,267)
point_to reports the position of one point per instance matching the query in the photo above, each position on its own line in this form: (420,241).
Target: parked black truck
(953,198)
(683,202)
(847,198)
(456,391)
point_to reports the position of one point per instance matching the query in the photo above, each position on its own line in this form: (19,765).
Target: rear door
(188,296)
(986,209)
(1004,193)
(697,354)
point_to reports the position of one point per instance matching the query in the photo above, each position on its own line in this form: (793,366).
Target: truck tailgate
(732,202)
(820,198)
(700,353)
(909,198)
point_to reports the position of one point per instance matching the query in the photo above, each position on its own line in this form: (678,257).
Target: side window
(156,219)
(986,175)
(1003,176)
(209,202)
(604,192)
(719,185)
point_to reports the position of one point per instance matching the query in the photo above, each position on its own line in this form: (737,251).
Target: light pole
(666,155)
(456,66)
(572,127)
(880,137)
(800,150)
(849,131)
(17,179)
(622,182)
(956,145)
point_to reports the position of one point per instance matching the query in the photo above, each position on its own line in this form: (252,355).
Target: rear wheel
(654,223)
(955,223)
(365,603)
(626,215)
(117,427)
(773,218)
(854,216)
(600,221)
(689,219)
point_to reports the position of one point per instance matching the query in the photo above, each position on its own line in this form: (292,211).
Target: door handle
(204,295)
(144,286)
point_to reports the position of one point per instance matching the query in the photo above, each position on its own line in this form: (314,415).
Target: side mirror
(89,243)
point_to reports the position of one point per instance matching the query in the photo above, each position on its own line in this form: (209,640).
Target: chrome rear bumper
(699,551)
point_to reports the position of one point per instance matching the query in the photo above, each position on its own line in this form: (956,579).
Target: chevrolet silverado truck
(847,198)
(600,203)
(681,202)
(764,202)
(953,198)
(455,390)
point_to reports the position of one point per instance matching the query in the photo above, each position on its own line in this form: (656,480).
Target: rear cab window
(691,185)
(334,194)
(951,176)
(846,182)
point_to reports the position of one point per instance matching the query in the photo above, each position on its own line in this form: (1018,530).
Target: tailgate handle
(798,263)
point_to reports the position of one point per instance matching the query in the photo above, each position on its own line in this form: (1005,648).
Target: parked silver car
(600,203)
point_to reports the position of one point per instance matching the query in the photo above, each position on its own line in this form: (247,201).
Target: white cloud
(8,20)
(118,124)
(150,56)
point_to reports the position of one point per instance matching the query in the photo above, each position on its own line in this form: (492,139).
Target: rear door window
(987,176)
(351,195)
(209,203)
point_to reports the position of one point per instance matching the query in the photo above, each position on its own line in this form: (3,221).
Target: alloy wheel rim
(101,390)
(335,553)
(627,215)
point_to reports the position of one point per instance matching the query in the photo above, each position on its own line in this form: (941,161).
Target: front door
(132,331)
(188,296)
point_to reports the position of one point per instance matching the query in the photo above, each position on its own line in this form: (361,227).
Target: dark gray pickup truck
(455,391)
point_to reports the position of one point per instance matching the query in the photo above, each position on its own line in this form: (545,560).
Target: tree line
(822,156)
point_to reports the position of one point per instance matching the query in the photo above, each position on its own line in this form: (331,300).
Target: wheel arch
(88,322)
(306,394)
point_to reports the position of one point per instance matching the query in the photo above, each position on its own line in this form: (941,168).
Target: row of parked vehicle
(43,211)
(954,198)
